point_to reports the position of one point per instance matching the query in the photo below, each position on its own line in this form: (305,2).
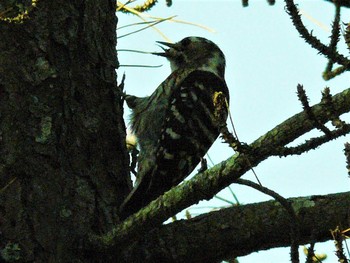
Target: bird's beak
(166,51)
(171,45)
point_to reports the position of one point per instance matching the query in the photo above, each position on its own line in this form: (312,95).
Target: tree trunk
(63,162)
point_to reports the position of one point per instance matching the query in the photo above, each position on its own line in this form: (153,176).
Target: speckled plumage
(175,125)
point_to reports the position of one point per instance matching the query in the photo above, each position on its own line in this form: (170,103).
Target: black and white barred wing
(190,127)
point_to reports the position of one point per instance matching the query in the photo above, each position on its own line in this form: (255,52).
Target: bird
(177,124)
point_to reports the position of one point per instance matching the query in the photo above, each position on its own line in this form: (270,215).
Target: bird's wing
(189,129)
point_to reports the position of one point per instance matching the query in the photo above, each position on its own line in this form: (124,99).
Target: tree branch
(207,184)
(312,40)
(241,230)
(288,206)
(343,3)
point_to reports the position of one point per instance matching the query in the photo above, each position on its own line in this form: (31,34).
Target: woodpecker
(177,124)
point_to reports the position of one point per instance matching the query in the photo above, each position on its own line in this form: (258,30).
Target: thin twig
(304,101)
(313,143)
(312,40)
(334,36)
(289,208)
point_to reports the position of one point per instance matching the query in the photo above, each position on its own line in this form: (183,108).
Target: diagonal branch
(312,40)
(205,185)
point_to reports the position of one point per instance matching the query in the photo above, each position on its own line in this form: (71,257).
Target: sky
(266,59)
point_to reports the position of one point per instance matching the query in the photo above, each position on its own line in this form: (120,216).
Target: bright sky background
(266,59)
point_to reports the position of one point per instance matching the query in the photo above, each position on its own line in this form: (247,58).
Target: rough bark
(241,230)
(63,159)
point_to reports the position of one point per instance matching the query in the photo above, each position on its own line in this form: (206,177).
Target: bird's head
(195,52)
